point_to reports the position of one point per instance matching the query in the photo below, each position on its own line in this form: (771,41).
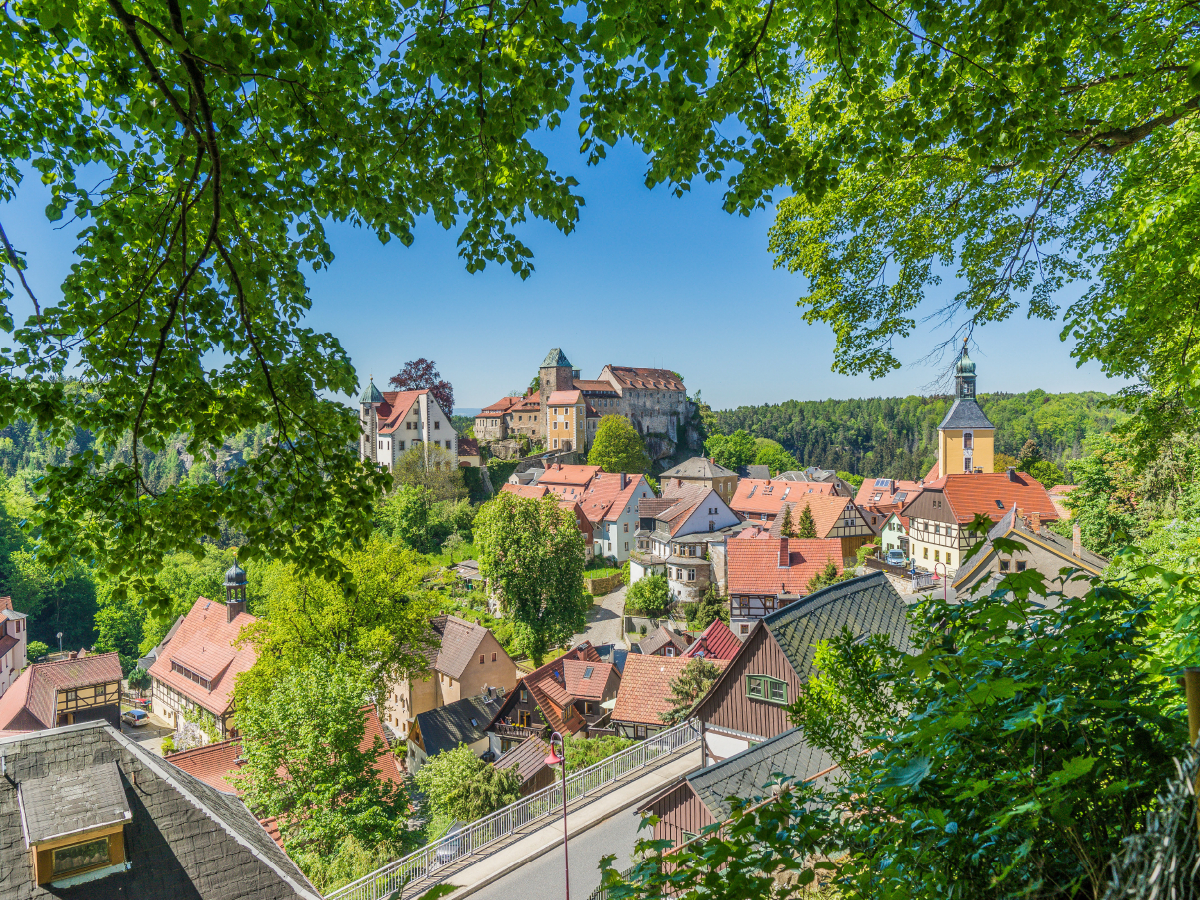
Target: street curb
(467,891)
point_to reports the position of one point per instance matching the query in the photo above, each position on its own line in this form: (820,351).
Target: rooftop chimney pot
(784,553)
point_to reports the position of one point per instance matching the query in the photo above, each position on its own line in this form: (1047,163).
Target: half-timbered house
(768,573)
(64,692)
(748,703)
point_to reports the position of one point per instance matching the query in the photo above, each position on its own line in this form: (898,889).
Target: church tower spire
(966,438)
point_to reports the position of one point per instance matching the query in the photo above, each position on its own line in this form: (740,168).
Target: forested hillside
(897,436)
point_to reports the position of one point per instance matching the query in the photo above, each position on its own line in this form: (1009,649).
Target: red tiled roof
(564,398)
(716,642)
(455,643)
(581,688)
(604,499)
(396,405)
(548,685)
(979,493)
(826,511)
(30,703)
(558,474)
(646,379)
(206,633)
(529,491)
(645,691)
(754,565)
(594,386)
(755,496)
(501,406)
(933,474)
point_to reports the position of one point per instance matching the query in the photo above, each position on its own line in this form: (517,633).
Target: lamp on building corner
(561,760)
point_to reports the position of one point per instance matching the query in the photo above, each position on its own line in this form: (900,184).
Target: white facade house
(14,635)
(395,422)
(893,535)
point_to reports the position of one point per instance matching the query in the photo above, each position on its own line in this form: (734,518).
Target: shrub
(648,597)
(35,650)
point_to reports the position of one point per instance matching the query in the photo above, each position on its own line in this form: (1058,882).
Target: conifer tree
(807,527)
(788,528)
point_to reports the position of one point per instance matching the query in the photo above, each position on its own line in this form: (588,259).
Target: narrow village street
(605,621)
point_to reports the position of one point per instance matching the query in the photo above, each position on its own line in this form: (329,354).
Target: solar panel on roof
(882,482)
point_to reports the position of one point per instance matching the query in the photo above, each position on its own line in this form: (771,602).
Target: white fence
(481,833)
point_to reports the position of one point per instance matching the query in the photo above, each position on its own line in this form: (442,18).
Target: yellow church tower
(966,439)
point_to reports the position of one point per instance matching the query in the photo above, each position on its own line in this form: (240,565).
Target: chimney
(1076,542)
(1012,474)
(678,482)
(785,556)
(622,482)
(1035,522)
(893,484)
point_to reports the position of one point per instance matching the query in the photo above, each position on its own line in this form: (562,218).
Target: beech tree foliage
(617,447)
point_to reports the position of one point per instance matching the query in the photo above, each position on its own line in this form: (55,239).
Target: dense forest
(896,437)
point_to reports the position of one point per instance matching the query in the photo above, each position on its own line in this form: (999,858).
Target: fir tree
(807,528)
(788,529)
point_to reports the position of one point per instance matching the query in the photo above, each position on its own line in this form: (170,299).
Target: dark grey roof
(865,605)
(659,638)
(969,573)
(744,775)
(965,413)
(529,758)
(446,727)
(697,467)
(68,802)
(556,358)
(756,472)
(184,840)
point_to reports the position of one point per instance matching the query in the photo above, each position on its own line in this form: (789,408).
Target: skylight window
(587,673)
(900,496)
(474,724)
(1000,504)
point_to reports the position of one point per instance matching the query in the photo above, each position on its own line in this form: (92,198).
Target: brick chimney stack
(785,556)
(1035,522)
(1076,542)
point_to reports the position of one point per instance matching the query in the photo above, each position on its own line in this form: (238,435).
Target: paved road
(542,878)
(605,620)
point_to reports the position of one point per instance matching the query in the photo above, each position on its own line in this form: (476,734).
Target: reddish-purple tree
(421,374)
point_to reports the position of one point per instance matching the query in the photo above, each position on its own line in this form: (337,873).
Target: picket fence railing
(475,836)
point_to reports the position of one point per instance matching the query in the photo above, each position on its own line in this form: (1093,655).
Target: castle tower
(555,374)
(966,438)
(368,402)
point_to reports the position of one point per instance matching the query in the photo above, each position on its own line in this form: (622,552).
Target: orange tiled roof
(558,474)
(564,398)
(529,491)
(646,379)
(206,632)
(603,499)
(885,496)
(755,496)
(500,407)
(396,405)
(30,703)
(826,512)
(582,688)
(595,386)
(993,494)
(645,691)
(548,685)
(754,565)
(933,474)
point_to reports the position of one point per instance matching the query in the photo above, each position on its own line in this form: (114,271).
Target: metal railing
(475,836)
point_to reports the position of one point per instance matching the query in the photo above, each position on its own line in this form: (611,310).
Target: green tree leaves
(732,451)
(617,447)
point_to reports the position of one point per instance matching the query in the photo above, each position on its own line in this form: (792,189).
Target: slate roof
(529,758)
(184,840)
(866,605)
(62,804)
(1015,528)
(753,566)
(206,631)
(30,703)
(556,358)
(659,638)
(697,467)
(645,691)
(760,472)
(464,721)
(645,379)
(716,642)
(965,413)
(744,775)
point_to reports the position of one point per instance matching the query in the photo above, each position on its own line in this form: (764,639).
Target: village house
(702,798)
(609,500)
(839,487)
(703,471)
(662,641)
(394,422)
(937,516)
(762,500)
(835,518)
(194,675)
(748,703)
(463,722)
(90,813)
(564,695)
(468,453)
(894,534)
(13,637)
(766,575)
(492,423)
(645,694)
(82,688)
(1045,552)
(884,496)
(683,536)
(215,764)
(464,660)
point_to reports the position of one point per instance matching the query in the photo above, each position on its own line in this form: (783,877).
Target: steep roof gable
(645,692)
(754,566)
(30,703)
(716,642)
(206,631)
(994,494)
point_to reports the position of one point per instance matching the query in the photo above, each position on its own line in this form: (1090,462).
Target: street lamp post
(945,580)
(556,760)
(60,642)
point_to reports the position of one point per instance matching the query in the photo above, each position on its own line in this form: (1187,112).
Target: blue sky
(646,279)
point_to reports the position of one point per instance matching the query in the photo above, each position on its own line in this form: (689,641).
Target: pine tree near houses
(807,527)
(788,528)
